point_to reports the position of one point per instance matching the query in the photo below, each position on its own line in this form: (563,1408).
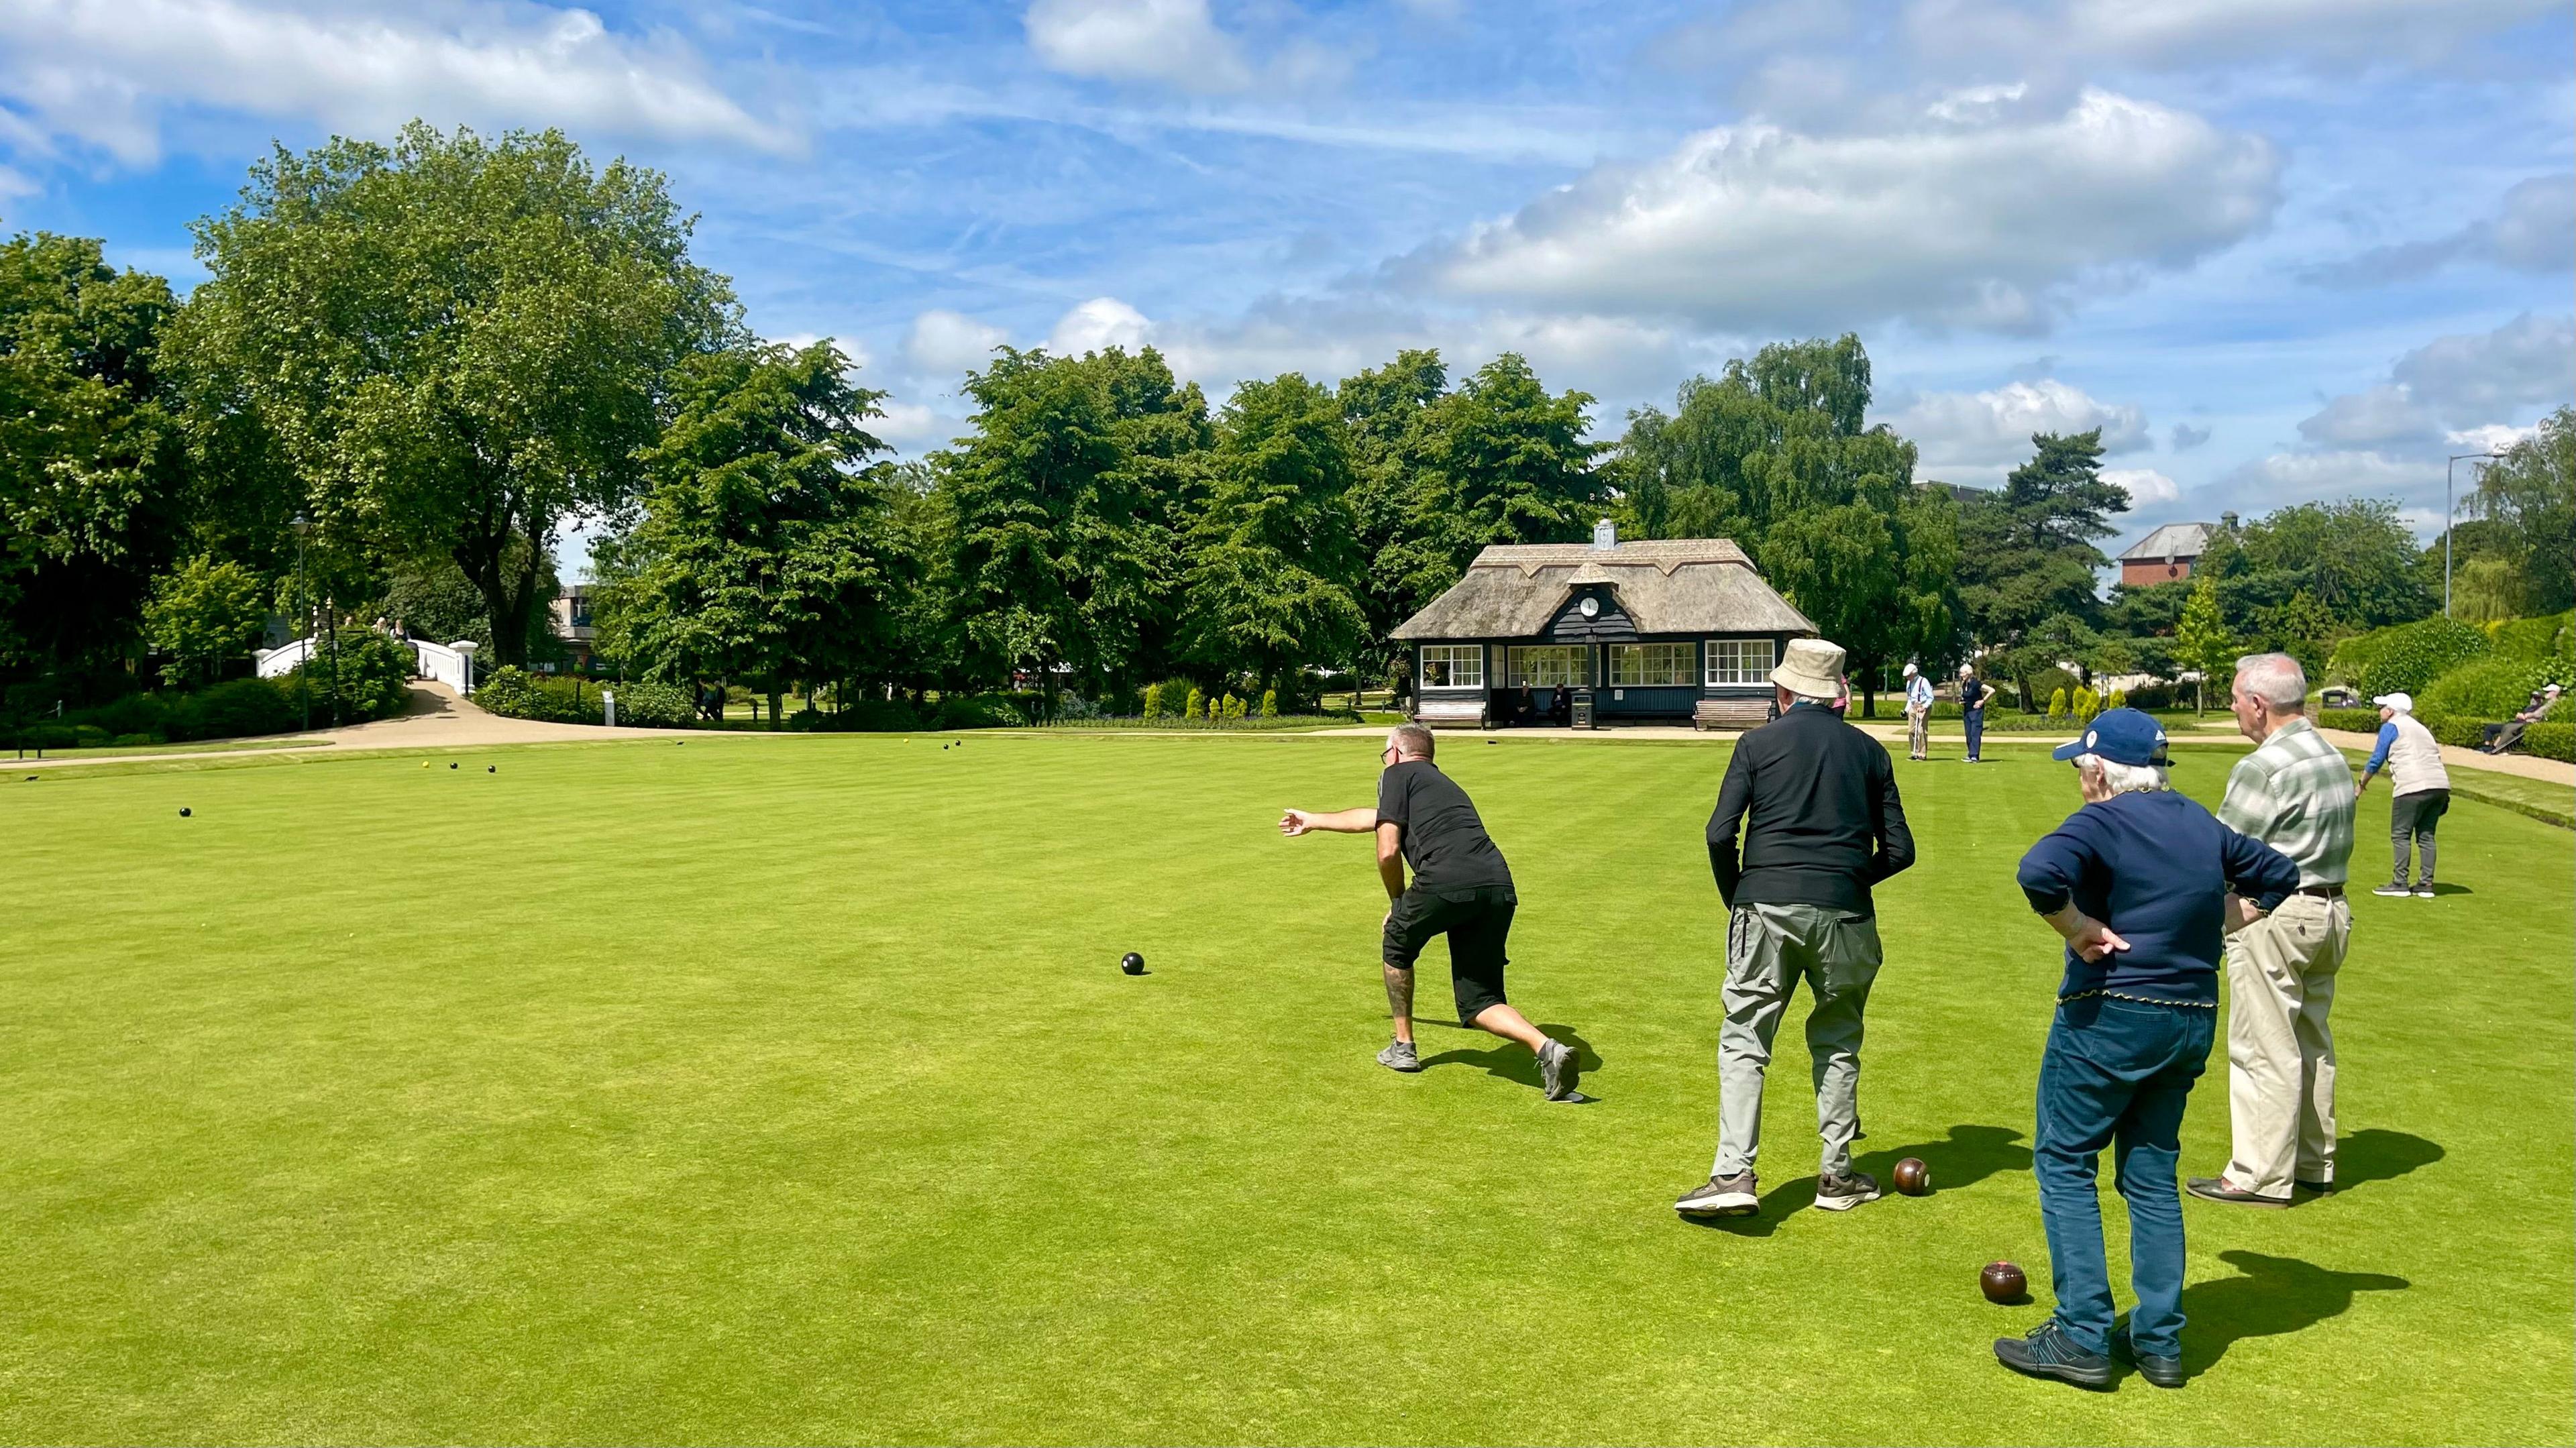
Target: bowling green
(787,1090)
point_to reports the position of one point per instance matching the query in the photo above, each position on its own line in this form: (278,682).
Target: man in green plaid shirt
(2295,794)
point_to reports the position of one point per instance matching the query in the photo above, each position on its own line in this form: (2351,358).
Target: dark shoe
(1400,1056)
(1559,1069)
(2314,1189)
(2049,1353)
(2424,891)
(1735,1196)
(2216,1189)
(2395,890)
(1842,1193)
(2164,1372)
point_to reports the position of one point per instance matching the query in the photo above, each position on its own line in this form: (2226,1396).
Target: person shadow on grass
(1511,1063)
(1968,1155)
(2274,1295)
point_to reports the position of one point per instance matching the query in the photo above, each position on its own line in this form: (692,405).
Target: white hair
(2276,679)
(1411,741)
(2126,778)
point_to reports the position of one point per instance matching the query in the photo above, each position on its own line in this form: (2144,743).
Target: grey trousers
(2411,821)
(1769,949)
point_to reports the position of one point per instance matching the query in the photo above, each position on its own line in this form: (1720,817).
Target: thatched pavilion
(1663,631)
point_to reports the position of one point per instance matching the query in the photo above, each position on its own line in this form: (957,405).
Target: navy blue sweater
(2155,867)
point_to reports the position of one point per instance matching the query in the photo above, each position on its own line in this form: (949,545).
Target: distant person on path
(1815,800)
(1973,693)
(2502,737)
(2420,788)
(1461,888)
(2137,882)
(2295,794)
(1918,714)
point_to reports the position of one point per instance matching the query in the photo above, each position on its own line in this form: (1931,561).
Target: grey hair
(2276,679)
(2126,778)
(1410,740)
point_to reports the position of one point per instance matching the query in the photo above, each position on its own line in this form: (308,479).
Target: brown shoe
(2217,1189)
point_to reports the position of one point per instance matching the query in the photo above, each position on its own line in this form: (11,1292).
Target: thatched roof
(1667,586)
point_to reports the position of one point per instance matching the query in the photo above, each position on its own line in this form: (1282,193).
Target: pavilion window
(1453,666)
(1740,661)
(1547,666)
(1650,666)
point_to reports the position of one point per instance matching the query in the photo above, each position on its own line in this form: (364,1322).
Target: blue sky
(2278,249)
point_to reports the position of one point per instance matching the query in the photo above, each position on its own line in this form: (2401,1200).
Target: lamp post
(303,525)
(2447,474)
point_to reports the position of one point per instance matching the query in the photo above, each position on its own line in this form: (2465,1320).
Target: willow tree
(453,344)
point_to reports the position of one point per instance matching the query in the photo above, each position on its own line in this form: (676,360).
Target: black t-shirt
(1972,693)
(1444,841)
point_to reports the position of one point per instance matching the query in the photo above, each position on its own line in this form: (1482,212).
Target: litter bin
(1583,708)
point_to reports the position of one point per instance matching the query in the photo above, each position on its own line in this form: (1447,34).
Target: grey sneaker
(1559,1068)
(1734,1196)
(1842,1193)
(2394,888)
(2424,891)
(1400,1056)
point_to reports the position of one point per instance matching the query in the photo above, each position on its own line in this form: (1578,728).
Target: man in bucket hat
(2137,882)
(1815,801)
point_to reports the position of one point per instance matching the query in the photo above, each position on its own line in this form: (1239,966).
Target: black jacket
(1816,801)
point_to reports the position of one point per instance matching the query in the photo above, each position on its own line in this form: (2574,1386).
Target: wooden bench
(1450,713)
(1731,714)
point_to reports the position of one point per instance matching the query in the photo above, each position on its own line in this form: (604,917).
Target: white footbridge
(449,664)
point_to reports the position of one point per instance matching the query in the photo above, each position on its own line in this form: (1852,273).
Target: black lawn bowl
(183,811)
(1132,963)
(2003,1282)
(451,764)
(491,769)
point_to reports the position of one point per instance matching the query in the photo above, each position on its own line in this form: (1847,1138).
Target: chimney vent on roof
(1605,535)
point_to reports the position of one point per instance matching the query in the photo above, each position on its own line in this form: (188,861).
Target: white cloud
(2533,230)
(2198,33)
(1989,223)
(912,426)
(2495,437)
(101,70)
(2464,382)
(2348,472)
(1164,42)
(1958,434)
(2147,487)
(951,344)
(1099,323)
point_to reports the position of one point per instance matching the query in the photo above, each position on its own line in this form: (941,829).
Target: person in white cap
(2419,786)
(1815,801)
(1918,714)
(2502,737)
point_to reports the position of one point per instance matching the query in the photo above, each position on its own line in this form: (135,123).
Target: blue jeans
(2116,1074)
(1976,731)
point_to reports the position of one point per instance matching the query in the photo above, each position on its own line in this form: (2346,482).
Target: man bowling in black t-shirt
(1461,888)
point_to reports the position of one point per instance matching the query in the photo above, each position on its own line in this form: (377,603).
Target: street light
(2447,522)
(303,525)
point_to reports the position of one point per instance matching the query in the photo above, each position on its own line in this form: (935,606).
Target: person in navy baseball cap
(2122,736)
(2138,882)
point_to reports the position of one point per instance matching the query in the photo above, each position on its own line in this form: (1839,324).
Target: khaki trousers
(1918,733)
(1769,949)
(2280,1050)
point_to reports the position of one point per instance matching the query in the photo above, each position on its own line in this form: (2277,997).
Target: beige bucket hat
(1811,668)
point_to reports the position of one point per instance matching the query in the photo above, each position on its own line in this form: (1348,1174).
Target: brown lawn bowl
(2003,1282)
(1913,1178)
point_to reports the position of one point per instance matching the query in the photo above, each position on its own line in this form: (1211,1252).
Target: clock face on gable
(1590,608)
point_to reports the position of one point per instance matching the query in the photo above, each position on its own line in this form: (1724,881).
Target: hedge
(2488,688)
(2548,739)
(2551,740)
(2406,657)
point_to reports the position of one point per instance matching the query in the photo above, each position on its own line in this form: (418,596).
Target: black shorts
(1477,925)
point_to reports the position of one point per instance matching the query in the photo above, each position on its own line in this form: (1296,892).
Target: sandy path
(436,718)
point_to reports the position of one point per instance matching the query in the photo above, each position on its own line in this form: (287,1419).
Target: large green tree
(2529,495)
(452,343)
(761,556)
(1778,454)
(2355,561)
(1499,459)
(1273,559)
(1064,504)
(2026,552)
(91,466)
